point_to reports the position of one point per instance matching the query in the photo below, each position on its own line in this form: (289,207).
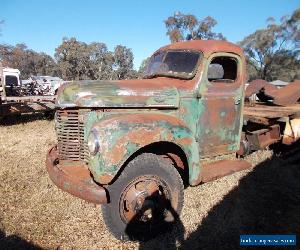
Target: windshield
(173,63)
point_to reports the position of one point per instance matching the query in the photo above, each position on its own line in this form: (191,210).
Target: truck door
(220,105)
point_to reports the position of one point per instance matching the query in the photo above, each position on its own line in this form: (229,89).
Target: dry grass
(36,214)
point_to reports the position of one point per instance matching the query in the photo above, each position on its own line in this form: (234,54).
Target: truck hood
(145,93)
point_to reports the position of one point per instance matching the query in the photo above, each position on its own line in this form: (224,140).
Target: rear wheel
(145,200)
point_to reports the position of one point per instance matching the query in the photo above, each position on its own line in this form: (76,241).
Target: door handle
(238,101)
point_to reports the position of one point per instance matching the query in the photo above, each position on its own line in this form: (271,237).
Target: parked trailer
(10,104)
(27,104)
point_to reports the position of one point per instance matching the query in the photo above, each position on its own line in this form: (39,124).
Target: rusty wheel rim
(145,202)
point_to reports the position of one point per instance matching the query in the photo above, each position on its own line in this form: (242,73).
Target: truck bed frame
(264,113)
(26,104)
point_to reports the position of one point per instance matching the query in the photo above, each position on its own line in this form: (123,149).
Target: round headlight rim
(93,135)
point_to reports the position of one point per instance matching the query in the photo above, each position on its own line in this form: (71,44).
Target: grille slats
(70,135)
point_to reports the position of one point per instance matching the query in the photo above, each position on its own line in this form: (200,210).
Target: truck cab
(131,145)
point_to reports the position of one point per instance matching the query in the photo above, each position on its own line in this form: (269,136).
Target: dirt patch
(35,214)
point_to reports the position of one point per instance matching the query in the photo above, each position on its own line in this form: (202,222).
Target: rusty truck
(11,103)
(133,145)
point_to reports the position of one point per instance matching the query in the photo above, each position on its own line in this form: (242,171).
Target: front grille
(70,136)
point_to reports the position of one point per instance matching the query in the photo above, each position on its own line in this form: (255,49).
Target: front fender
(121,136)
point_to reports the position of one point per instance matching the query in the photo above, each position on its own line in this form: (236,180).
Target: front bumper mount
(74,179)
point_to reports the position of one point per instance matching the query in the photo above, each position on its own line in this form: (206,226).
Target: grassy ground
(35,214)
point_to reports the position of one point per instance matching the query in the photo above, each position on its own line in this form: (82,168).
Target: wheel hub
(144,199)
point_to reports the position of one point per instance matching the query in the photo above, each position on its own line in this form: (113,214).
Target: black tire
(163,206)
(49,115)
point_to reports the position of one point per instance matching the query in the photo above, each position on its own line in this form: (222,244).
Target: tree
(45,65)
(285,66)
(27,61)
(101,61)
(273,52)
(123,63)
(72,58)
(79,61)
(75,60)
(143,67)
(182,27)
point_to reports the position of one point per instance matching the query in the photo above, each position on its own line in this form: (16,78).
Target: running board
(218,169)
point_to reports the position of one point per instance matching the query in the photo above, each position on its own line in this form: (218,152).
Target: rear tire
(145,200)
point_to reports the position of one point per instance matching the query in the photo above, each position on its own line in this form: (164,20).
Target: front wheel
(145,200)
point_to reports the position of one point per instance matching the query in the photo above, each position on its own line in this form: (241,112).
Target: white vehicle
(11,80)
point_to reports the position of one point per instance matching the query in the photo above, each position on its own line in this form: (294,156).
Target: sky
(41,24)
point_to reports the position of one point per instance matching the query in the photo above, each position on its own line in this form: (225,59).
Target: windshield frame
(185,76)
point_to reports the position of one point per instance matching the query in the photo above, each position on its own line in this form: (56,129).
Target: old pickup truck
(133,145)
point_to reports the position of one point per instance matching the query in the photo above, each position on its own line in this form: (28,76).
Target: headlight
(93,142)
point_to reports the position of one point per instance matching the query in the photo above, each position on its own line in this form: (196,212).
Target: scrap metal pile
(35,86)
(38,86)
(31,88)
(267,103)
(269,93)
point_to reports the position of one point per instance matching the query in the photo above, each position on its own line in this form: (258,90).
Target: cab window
(222,69)
(11,80)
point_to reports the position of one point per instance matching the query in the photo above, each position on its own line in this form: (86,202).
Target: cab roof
(205,46)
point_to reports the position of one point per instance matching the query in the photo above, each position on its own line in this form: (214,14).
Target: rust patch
(216,170)
(258,85)
(142,118)
(184,141)
(174,157)
(105,178)
(265,91)
(207,47)
(157,83)
(260,139)
(75,179)
(289,94)
(265,112)
(117,153)
(220,122)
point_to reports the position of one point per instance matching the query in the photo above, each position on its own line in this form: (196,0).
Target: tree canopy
(27,60)
(143,67)
(123,63)
(80,61)
(182,27)
(273,52)
(74,60)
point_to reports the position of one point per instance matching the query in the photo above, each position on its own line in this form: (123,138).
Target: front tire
(146,199)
